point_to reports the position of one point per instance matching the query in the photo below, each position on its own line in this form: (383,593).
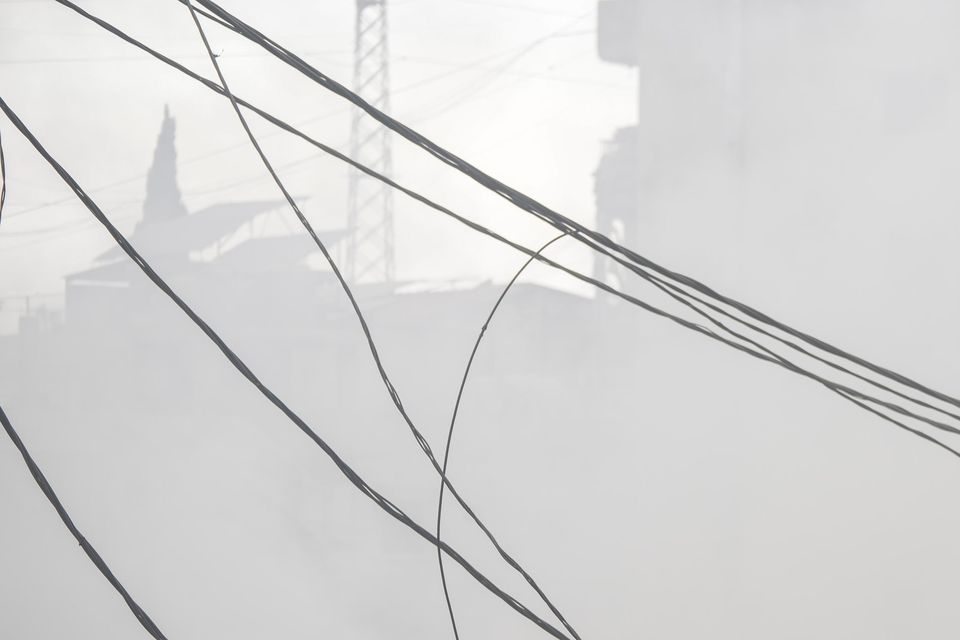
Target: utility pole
(370,255)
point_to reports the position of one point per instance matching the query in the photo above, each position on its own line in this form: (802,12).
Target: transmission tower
(370,202)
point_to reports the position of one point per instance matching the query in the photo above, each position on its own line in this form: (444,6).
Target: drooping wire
(668,287)
(579,231)
(355,479)
(391,390)
(453,421)
(145,621)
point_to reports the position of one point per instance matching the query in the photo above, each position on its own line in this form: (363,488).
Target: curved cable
(453,420)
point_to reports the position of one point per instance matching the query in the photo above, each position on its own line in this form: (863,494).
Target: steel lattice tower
(370,255)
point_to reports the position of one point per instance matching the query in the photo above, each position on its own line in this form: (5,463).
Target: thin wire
(391,389)
(354,478)
(453,420)
(95,557)
(584,234)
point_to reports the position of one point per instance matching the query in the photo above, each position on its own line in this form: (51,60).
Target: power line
(379,499)
(391,390)
(672,290)
(95,557)
(453,421)
(587,236)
